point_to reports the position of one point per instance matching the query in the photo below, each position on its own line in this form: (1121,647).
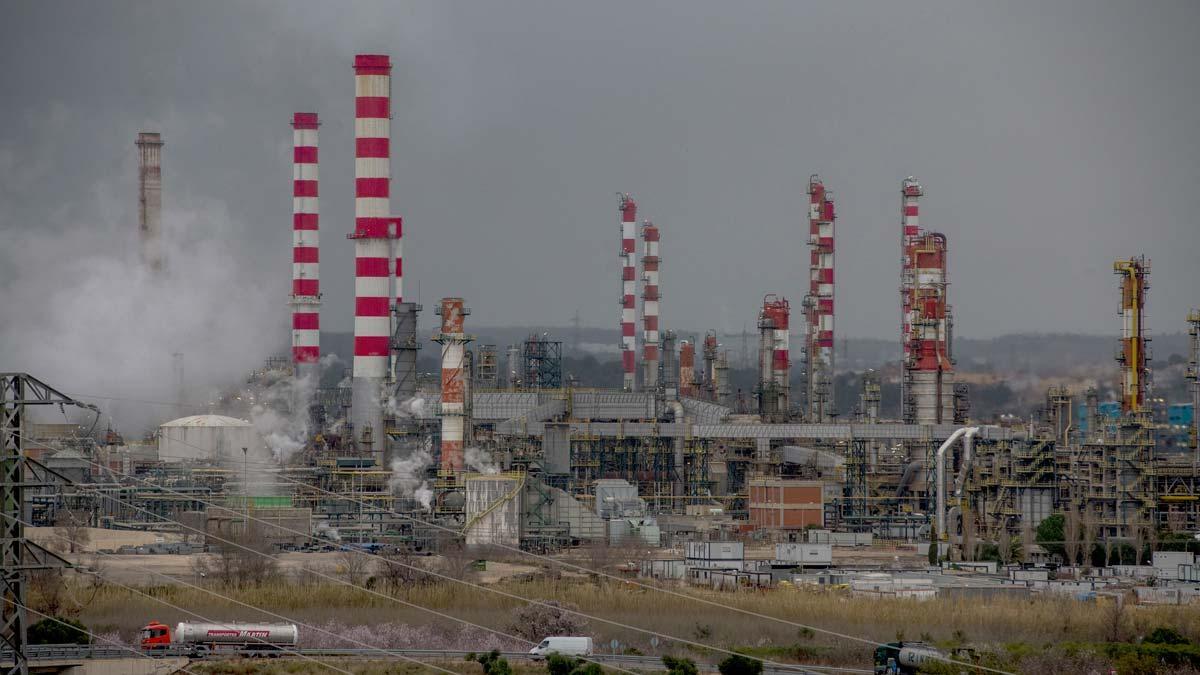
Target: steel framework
(18,472)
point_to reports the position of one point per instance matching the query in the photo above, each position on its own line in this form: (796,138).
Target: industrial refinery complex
(517,455)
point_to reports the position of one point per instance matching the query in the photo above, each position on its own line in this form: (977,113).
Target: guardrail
(82,652)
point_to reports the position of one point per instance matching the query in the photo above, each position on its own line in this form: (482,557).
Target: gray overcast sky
(1051,137)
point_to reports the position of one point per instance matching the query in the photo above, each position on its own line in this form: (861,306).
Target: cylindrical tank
(282,634)
(917,656)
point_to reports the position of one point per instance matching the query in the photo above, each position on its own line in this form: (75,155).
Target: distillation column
(1133,357)
(628,292)
(927,382)
(687,369)
(306,285)
(1193,375)
(650,305)
(819,349)
(774,361)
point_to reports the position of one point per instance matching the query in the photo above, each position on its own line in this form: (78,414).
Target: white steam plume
(83,314)
(408,476)
(480,461)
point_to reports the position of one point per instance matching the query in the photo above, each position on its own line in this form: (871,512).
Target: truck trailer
(202,638)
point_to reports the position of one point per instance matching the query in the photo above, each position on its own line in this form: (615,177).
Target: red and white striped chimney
(650,306)
(306,285)
(375,232)
(628,292)
(453,410)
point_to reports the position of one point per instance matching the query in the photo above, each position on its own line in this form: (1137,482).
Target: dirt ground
(158,569)
(103,539)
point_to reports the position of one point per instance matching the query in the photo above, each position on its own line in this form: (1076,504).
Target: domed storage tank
(207,438)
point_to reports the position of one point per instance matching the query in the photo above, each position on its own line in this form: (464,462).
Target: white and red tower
(928,386)
(453,408)
(819,303)
(628,292)
(650,305)
(306,285)
(687,369)
(376,237)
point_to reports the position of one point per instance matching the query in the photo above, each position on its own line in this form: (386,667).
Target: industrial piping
(628,291)
(650,305)
(374,233)
(306,285)
(968,446)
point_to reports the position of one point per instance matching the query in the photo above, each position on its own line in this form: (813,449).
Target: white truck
(567,646)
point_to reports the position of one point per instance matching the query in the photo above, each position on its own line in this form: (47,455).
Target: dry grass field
(380,620)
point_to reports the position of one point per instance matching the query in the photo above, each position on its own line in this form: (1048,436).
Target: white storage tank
(212,438)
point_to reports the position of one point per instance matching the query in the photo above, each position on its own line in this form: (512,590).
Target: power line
(135,652)
(243,604)
(566,564)
(623,580)
(346,583)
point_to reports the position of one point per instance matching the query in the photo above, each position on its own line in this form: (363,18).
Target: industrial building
(514,454)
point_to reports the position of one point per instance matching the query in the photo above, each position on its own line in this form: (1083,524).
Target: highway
(648,663)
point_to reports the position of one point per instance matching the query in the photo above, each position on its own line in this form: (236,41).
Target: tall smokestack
(453,409)
(650,305)
(149,145)
(306,285)
(819,303)
(375,232)
(628,292)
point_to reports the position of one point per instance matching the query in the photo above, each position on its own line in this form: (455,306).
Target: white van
(567,646)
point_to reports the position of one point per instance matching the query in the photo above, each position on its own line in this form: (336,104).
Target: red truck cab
(156,636)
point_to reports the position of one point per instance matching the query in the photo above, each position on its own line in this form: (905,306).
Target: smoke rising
(479,460)
(83,314)
(408,476)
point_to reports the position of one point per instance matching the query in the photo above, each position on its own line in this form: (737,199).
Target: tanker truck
(200,639)
(904,658)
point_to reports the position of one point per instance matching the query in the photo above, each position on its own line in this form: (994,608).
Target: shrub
(1165,636)
(534,622)
(679,665)
(58,631)
(557,664)
(736,664)
(494,664)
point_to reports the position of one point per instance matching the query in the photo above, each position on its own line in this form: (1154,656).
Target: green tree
(58,631)
(678,665)
(1050,534)
(933,546)
(736,664)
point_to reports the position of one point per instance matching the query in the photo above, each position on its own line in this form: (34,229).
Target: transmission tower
(19,473)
